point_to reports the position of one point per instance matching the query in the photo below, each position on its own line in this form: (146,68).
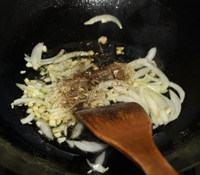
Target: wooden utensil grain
(128,128)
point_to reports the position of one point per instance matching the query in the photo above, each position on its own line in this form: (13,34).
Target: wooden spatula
(128,128)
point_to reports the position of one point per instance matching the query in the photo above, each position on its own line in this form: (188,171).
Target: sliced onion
(100,159)
(128,92)
(141,72)
(176,102)
(27,119)
(179,90)
(151,54)
(96,167)
(164,117)
(125,99)
(70,143)
(27,58)
(50,60)
(143,62)
(90,146)
(45,128)
(152,105)
(36,55)
(158,98)
(21,86)
(26,100)
(61,66)
(159,73)
(104,19)
(110,83)
(141,94)
(130,96)
(82,66)
(77,130)
(171,106)
(73,54)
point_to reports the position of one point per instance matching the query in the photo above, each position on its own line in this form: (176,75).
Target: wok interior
(146,24)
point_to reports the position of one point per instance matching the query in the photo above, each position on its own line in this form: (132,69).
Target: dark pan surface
(171,26)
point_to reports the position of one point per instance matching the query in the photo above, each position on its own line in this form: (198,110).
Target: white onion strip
(177,104)
(179,90)
(90,146)
(26,100)
(50,60)
(151,54)
(70,143)
(171,106)
(21,86)
(96,167)
(141,72)
(104,19)
(77,130)
(36,55)
(100,159)
(130,96)
(61,66)
(125,99)
(74,54)
(27,119)
(152,104)
(45,128)
(158,72)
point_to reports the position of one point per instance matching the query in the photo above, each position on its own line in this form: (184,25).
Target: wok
(171,26)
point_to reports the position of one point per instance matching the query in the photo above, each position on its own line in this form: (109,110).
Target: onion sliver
(45,128)
(151,54)
(179,90)
(77,130)
(50,60)
(90,146)
(143,62)
(74,54)
(104,19)
(96,167)
(141,94)
(27,100)
(141,72)
(36,55)
(171,106)
(176,102)
(152,104)
(125,99)
(70,143)
(100,159)
(61,66)
(159,73)
(21,86)
(27,119)
(130,96)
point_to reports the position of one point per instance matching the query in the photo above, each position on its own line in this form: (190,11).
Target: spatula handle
(149,158)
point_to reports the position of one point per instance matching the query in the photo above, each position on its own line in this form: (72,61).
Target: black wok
(171,26)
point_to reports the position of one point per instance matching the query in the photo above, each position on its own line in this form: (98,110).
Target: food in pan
(69,81)
(72,80)
(104,19)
